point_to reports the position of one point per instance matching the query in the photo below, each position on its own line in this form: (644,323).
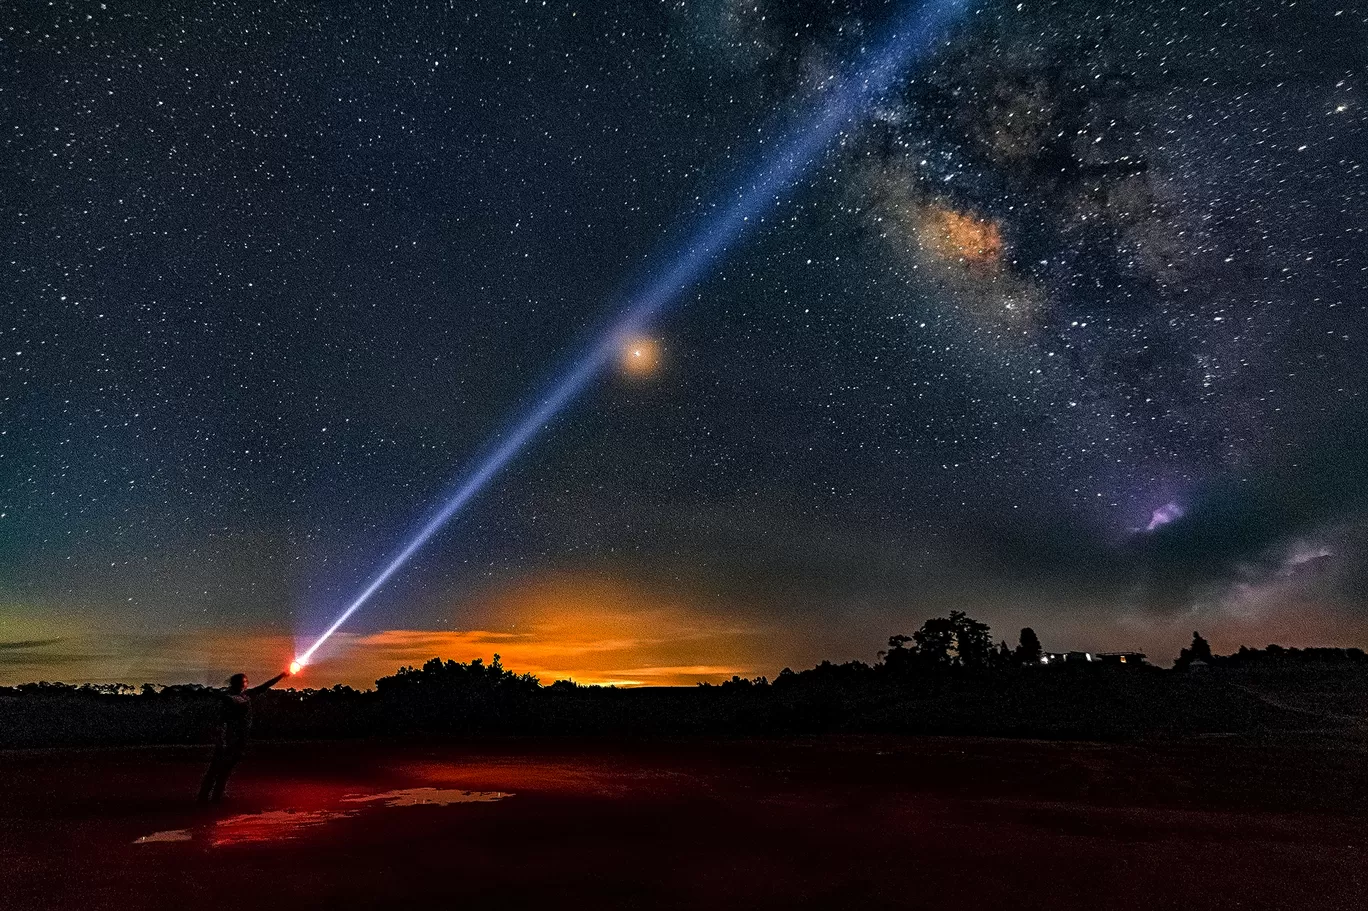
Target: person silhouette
(234,729)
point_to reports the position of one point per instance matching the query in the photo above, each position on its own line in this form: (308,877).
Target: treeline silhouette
(948,677)
(1274,657)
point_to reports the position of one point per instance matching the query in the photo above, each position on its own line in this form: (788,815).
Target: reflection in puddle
(168,835)
(278,825)
(440,797)
(272,825)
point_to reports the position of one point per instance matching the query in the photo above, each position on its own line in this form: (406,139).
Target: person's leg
(230,758)
(211,775)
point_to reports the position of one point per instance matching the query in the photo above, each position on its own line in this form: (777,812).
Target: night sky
(1069,334)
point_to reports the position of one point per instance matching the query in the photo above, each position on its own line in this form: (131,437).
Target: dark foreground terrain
(826,822)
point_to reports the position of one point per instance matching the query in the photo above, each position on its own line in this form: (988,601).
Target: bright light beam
(911,40)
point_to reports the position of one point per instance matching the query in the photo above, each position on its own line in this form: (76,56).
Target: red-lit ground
(852,823)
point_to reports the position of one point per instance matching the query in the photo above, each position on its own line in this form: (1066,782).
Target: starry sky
(1068,333)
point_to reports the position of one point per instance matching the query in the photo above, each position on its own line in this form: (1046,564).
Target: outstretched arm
(263,687)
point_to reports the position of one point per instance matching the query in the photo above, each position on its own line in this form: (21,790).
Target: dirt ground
(830,823)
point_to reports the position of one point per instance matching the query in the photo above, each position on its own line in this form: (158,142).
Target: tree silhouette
(1028,649)
(899,657)
(444,680)
(1002,655)
(936,641)
(973,640)
(1200,650)
(954,641)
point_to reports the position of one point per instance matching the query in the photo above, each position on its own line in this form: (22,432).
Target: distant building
(1067,658)
(1128,659)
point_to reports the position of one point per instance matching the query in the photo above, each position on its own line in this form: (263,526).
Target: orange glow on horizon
(585,627)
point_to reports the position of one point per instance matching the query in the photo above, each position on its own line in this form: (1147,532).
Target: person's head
(237,683)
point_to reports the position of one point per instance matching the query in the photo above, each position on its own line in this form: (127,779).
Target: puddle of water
(272,825)
(168,835)
(439,797)
(278,825)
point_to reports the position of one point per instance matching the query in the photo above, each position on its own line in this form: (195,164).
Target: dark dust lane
(829,823)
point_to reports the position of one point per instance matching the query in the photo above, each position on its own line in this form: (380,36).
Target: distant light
(640,356)
(1044,659)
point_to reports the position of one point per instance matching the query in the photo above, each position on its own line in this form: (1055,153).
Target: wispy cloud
(28,644)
